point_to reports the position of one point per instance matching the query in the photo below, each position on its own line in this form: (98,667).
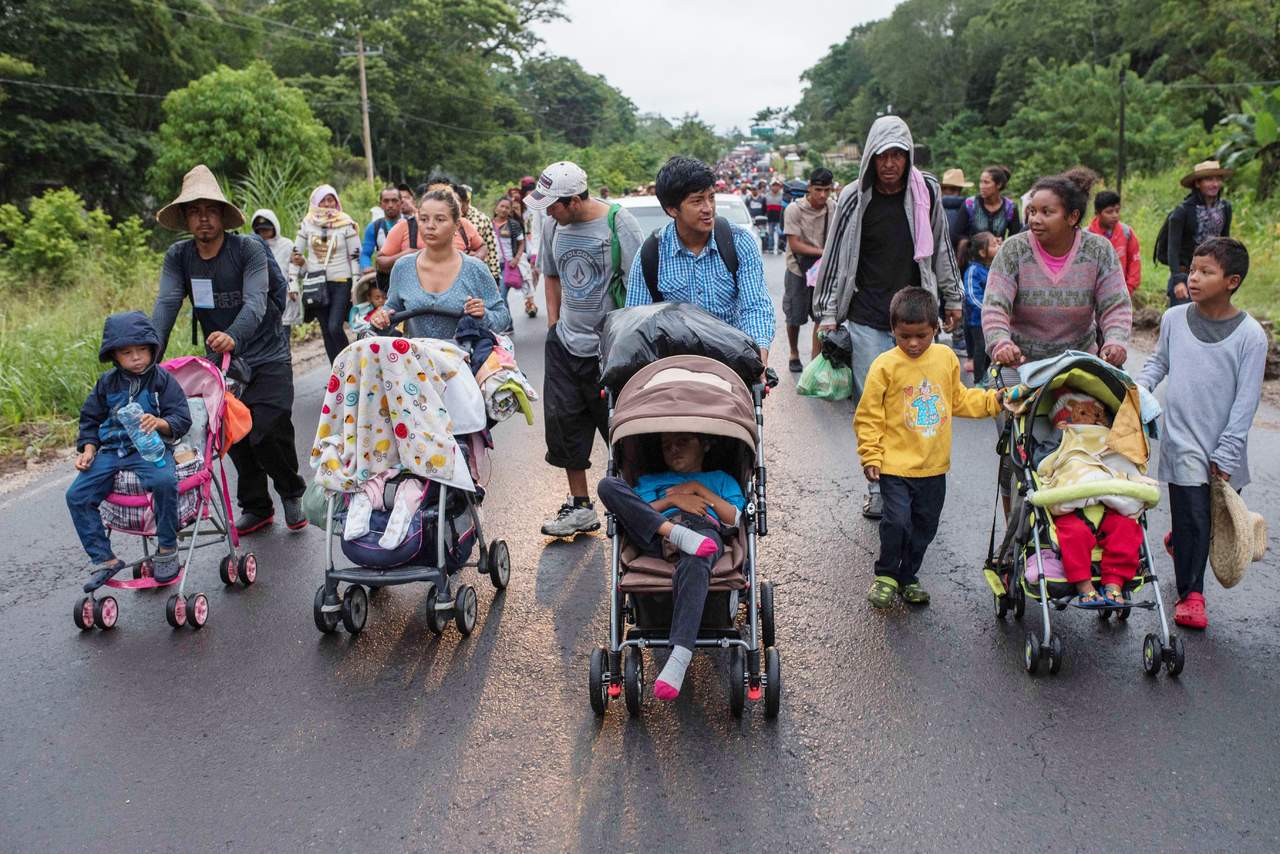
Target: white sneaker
(570,520)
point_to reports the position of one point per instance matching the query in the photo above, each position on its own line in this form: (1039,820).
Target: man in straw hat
(228,278)
(1201,215)
(953,185)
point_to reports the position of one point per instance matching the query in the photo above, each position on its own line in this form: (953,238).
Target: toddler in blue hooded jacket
(104,447)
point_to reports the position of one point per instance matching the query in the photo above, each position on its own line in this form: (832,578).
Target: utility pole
(1120,146)
(364,103)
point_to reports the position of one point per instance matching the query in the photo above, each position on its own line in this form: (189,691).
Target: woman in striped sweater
(1055,286)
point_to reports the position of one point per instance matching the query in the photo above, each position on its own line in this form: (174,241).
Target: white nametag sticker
(202,293)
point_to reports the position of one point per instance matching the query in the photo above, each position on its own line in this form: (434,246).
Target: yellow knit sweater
(903,422)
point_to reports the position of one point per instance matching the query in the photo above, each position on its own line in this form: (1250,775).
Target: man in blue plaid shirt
(690,268)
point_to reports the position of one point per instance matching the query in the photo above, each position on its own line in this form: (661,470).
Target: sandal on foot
(882,591)
(914,594)
(102,573)
(1090,601)
(1114,597)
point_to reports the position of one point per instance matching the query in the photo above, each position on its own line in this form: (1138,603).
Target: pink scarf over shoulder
(922,216)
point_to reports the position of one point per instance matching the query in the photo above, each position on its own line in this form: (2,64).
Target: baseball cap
(556,182)
(901,146)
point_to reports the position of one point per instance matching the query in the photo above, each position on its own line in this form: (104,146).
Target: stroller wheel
(1031,652)
(1176,656)
(1019,600)
(499,564)
(597,689)
(435,619)
(1104,614)
(248,569)
(82,615)
(1152,655)
(737,680)
(228,571)
(773,683)
(355,609)
(464,609)
(633,679)
(767,633)
(1123,613)
(326,621)
(197,610)
(175,611)
(105,613)
(1002,606)
(1055,653)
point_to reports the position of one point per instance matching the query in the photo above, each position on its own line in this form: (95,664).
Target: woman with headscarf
(327,251)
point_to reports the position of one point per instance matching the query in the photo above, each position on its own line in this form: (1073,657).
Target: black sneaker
(293,515)
(249,523)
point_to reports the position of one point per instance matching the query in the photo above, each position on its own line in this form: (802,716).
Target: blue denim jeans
(90,487)
(867,343)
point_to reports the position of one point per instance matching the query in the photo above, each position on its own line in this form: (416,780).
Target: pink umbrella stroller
(204,511)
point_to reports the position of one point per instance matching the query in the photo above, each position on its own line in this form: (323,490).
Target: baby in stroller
(1083,456)
(691,510)
(105,446)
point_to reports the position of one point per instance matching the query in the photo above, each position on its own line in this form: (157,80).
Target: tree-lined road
(899,730)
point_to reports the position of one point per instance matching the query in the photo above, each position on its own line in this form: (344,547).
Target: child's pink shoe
(1189,612)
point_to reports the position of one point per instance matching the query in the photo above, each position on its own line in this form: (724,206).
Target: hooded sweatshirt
(281,247)
(837,282)
(328,240)
(155,390)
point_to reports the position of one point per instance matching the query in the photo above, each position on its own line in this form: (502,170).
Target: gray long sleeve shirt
(1212,396)
(240,297)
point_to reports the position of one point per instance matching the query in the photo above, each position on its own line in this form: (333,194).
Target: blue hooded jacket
(155,390)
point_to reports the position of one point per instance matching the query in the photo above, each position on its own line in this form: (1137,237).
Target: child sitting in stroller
(1083,456)
(692,510)
(130,341)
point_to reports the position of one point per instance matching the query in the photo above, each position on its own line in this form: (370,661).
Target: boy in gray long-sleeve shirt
(1213,354)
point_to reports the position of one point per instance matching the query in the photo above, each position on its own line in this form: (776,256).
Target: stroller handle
(401,316)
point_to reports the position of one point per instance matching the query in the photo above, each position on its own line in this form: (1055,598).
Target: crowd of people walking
(896,259)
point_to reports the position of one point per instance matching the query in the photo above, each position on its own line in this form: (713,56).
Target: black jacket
(155,390)
(1182,235)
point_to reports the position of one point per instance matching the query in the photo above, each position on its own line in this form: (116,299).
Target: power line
(117,92)
(276,23)
(312,36)
(477,131)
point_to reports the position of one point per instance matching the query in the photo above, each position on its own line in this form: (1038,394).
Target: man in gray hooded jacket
(890,232)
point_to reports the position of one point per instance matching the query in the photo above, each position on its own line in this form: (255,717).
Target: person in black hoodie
(130,341)
(1201,215)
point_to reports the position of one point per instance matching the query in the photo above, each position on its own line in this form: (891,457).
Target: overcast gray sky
(723,59)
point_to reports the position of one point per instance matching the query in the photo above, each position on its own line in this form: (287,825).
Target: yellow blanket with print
(384,410)
(1085,456)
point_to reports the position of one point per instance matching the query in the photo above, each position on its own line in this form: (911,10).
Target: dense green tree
(227,117)
(574,105)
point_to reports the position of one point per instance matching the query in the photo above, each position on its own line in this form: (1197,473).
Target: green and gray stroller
(1026,564)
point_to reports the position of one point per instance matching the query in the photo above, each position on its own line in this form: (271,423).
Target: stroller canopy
(685,394)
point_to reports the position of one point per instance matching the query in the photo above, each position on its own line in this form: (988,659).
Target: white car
(652,217)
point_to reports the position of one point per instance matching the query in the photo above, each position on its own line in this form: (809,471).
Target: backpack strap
(727,248)
(649,265)
(615,246)
(412,224)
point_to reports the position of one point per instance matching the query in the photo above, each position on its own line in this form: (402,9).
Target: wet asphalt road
(905,730)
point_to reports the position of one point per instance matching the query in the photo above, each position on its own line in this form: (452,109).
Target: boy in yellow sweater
(903,425)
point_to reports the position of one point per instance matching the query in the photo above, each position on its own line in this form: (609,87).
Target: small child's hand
(871,473)
(689,503)
(689,487)
(85,458)
(149,423)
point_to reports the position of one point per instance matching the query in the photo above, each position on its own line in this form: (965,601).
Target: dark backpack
(724,243)
(1161,253)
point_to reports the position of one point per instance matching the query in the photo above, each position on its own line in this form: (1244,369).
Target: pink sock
(665,692)
(707,548)
(667,685)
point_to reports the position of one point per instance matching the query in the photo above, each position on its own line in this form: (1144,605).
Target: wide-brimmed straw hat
(1238,536)
(199,185)
(954,178)
(1205,169)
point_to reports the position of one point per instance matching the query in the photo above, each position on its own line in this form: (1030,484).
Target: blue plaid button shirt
(705,281)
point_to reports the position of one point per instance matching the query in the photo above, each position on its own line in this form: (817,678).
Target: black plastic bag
(635,337)
(837,346)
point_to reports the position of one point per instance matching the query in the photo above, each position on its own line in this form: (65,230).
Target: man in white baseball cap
(576,257)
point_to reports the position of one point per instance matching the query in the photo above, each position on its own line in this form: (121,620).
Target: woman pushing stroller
(686,509)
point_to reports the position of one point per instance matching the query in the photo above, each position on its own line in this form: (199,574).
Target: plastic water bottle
(149,445)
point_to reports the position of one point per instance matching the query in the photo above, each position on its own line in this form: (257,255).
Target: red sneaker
(1168,543)
(1189,612)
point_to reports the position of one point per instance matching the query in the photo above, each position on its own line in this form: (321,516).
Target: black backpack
(724,244)
(1161,253)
